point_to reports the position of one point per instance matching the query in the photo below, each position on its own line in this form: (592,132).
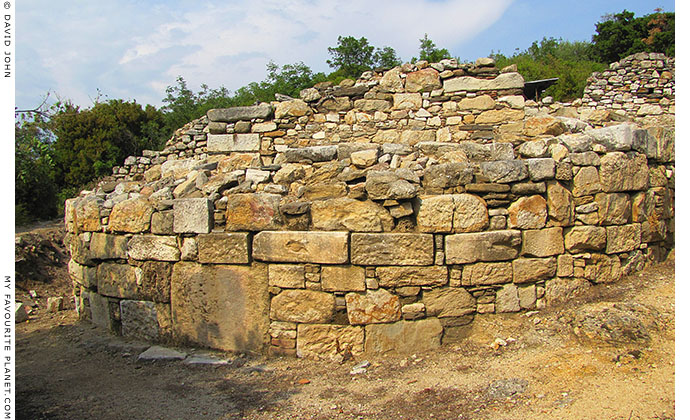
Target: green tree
(622,34)
(386,58)
(353,56)
(429,52)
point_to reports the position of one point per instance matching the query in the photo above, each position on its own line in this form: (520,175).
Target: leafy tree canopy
(353,56)
(429,52)
(622,34)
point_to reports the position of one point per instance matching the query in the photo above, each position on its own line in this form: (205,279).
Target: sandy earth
(607,355)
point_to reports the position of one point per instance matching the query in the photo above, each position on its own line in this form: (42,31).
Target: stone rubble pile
(379,215)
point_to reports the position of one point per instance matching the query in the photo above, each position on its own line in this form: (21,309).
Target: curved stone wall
(379,215)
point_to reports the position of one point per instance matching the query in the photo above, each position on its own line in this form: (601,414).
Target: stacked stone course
(379,215)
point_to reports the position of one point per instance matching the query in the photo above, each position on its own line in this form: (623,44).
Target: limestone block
(436,213)
(371,105)
(407,101)
(189,251)
(586,181)
(153,247)
(544,125)
(566,266)
(542,242)
(286,276)
(351,215)
(623,172)
(100,311)
(413,311)
(226,143)
(603,268)
(560,205)
(304,247)
(527,213)
(192,215)
(149,281)
(481,102)
(388,185)
(412,137)
(403,336)
(448,302)
(424,80)
(585,238)
(337,278)
(373,307)
(223,248)
(614,209)
(162,222)
(330,342)
(480,274)
(303,306)
(530,270)
(500,116)
(504,171)
(139,320)
(499,245)
(313,154)
(447,175)
(614,138)
(560,290)
(507,299)
(253,212)
(83,274)
(220,306)
(392,248)
(472,84)
(623,238)
(364,158)
(241,113)
(234,162)
(83,214)
(585,159)
(393,277)
(132,215)
(527,296)
(104,246)
(541,168)
(534,149)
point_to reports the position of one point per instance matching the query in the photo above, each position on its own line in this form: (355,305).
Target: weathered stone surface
(480,274)
(331,342)
(107,247)
(499,245)
(225,143)
(82,214)
(403,336)
(132,215)
(527,295)
(448,302)
(153,247)
(374,307)
(560,205)
(541,168)
(312,154)
(192,215)
(413,137)
(560,290)
(544,125)
(614,209)
(391,81)
(424,80)
(500,116)
(623,238)
(234,162)
(412,276)
(150,281)
(623,172)
(364,158)
(542,242)
(240,113)
(139,319)
(603,268)
(481,102)
(436,213)
(530,270)
(585,238)
(223,248)
(407,101)
(447,175)
(303,306)
(392,248)
(586,181)
(504,171)
(585,159)
(100,310)
(294,108)
(162,222)
(527,213)
(220,306)
(413,311)
(470,214)
(253,212)
(158,353)
(83,274)
(388,185)
(342,279)
(352,215)
(286,276)
(471,84)
(614,138)
(309,247)
(507,299)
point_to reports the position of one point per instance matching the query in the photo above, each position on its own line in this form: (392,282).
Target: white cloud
(134,50)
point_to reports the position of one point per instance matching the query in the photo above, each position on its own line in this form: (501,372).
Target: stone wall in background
(379,215)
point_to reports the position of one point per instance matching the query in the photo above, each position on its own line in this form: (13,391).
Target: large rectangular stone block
(223,248)
(472,84)
(623,172)
(240,113)
(83,274)
(623,238)
(192,215)
(542,242)
(412,276)
(403,336)
(331,342)
(225,143)
(149,281)
(303,306)
(107,247)
(342,278)
(301,247)
(253,212)
(392,249)
(220,306)
(153,247)
(498,245)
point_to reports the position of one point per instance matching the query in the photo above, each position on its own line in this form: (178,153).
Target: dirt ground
(608,355)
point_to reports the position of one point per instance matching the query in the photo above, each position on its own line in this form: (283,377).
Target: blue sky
(134,49)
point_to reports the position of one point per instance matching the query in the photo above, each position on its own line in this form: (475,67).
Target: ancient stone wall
(380,215)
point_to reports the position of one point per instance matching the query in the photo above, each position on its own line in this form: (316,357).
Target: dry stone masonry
(378,215)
